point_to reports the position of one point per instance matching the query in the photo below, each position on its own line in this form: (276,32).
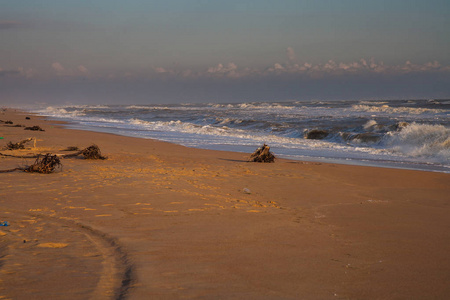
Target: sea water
(412,134)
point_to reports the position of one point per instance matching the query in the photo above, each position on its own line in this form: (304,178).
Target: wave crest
(63,112)
(422,140)
(394,110)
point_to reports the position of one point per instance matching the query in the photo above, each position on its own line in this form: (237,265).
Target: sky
(147,51)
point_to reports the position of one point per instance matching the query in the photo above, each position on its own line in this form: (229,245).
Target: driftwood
(17,125)
(44,164)
(19,156)
(71,148)
(18,145)
(11,170)
(91,152)
(34,128)
(262,154)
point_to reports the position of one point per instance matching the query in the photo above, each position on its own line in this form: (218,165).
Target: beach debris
(34,128)
(246,191)
(45,164)
(18,145)
(315,134)
(27,118)
(9,122)
(91,152)
(11,170)
(262,154)
(4,223)
(71,148)
(18,156)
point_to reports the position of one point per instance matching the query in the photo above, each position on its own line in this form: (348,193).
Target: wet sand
(161,221)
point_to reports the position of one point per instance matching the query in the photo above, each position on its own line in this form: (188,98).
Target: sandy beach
(162,221)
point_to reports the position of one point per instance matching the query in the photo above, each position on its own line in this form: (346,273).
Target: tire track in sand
(39,250)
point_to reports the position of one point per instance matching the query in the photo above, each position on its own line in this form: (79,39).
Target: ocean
(410,134)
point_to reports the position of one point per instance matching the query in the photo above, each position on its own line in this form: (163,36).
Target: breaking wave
(422,140)
(394,110)
(63,112)
(404,131)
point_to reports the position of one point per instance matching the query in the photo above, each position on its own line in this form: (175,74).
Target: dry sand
(161,221)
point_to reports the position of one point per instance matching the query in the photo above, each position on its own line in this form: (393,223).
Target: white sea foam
(152,107)
(373,102)
(63,112)
(138,107)
(244,137)
(394,110)
(369,124)
(240,125)
(422,140)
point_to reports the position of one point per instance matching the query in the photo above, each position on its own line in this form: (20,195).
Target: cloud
(289,69)
(83,69)
(27,73)
(9,25)
(160,70)
(60,70)
(292,67)
(186,73)
(230,70)
(291,54)
(356,67)
(330,68)
(57,67)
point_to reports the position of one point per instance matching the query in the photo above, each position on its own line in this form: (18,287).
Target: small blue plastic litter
(4,223)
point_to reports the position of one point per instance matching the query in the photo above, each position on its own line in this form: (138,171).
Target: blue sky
(241,44)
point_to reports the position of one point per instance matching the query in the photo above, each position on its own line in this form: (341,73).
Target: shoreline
(389,164)
(173,222)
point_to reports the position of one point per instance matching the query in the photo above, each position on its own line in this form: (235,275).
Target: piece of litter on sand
(4,223)
(247,191)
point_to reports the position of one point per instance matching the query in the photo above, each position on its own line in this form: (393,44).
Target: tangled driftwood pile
(18,145)
(91,152)
(262,154)
(45,164)
(48,163)
(34,128)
